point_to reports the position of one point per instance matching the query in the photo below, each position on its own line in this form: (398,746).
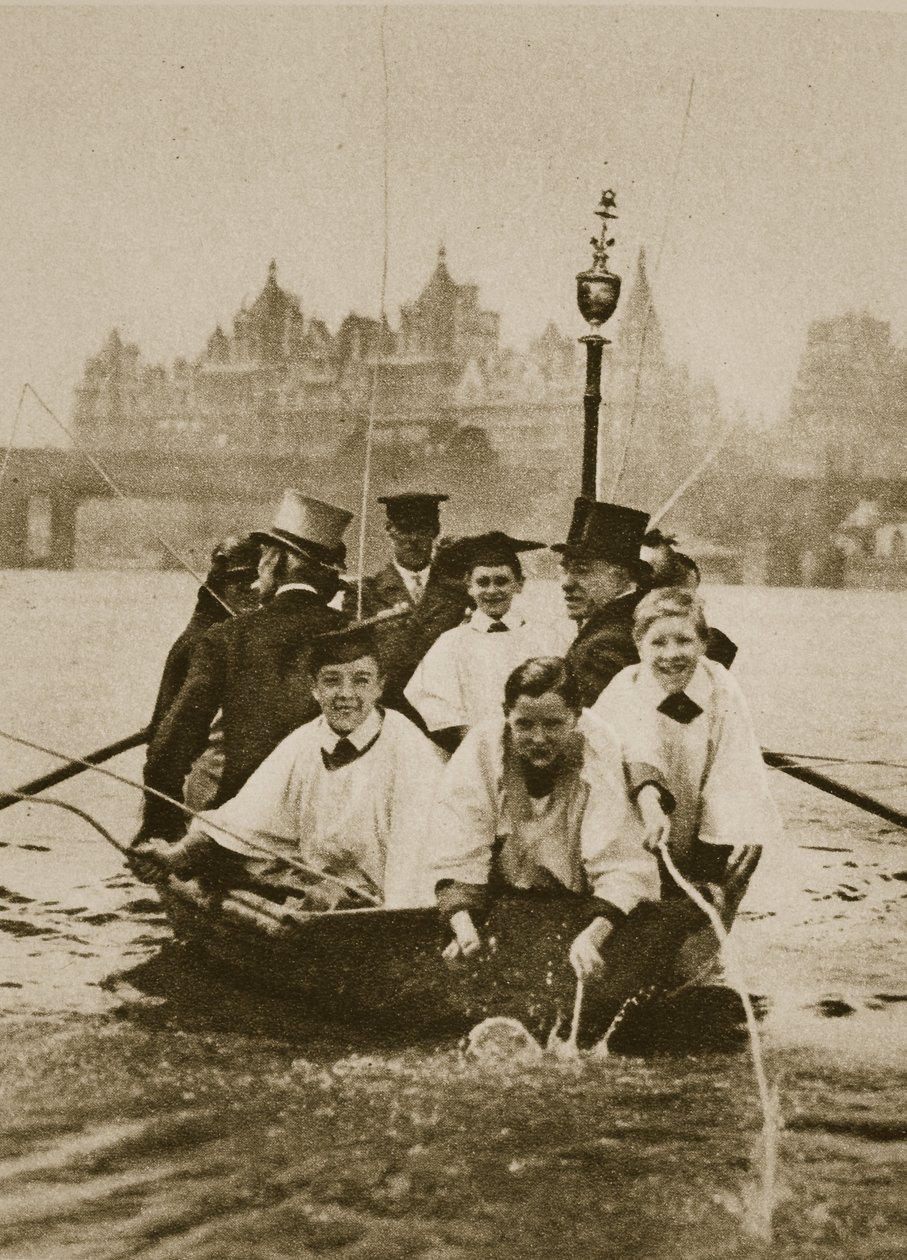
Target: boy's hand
(466,940)
(655,822)
(585,952)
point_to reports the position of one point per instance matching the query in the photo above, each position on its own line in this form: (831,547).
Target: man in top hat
(460,680)
(413,524)
(347,794)
(601,578)
(253,669)
(228,591)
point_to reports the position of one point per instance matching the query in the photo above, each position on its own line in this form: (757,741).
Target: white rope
(260,849)
(694,476)
(124,498)
(373,399)
(622,464)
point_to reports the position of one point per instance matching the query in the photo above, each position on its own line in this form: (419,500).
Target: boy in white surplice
(460,681)
(347,794)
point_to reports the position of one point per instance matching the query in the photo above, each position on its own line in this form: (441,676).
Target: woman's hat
(604,531)
(308,528)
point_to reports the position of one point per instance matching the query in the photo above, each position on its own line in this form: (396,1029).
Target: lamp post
(597,291)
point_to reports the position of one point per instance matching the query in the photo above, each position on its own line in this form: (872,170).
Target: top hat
(604,531)
(412,510)
(308,528)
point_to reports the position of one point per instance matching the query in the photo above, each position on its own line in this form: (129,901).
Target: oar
(808,775)
(74,767)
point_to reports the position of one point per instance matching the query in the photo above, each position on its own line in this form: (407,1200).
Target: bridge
(59,480)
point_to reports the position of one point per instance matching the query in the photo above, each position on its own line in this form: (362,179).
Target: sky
(155,159)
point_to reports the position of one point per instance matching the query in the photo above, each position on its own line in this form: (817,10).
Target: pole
(591,403)
(75,767)
(597,291)
(807,775)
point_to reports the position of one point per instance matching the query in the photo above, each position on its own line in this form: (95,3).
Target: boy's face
(670,649)
(493,587)
(348,692)
(540,729)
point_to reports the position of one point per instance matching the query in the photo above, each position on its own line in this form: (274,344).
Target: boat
(383,967)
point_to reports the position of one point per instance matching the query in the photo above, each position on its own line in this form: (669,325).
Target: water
(149,1108)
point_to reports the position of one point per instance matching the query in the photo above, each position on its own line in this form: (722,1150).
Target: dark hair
(539,675)
(677,570)
(341,650)
(296,568)
(655,538)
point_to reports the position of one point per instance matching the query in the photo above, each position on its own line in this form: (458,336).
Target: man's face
(590,584)
(670,649)
(347,693)
(492,587)
(540,727)
(412,547)
(267,582)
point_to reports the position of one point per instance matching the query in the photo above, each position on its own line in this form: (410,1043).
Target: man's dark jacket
(604,646)
(385,589)
(208,612)
(254,669)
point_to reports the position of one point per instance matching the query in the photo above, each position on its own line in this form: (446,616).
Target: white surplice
(365,822)
(712,765)
(460,680)
(585,836)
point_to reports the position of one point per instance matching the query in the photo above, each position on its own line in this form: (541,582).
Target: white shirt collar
(409,576)
(364,733)
(294,586)
(481,621)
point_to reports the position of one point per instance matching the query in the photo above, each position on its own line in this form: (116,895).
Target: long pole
(840,790)
(74,767)
(591,403)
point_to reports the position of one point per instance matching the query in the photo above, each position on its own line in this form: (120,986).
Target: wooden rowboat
(384,968)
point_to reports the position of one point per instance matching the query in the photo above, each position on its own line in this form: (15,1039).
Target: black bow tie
(680,707)
(496,627)
(345,752)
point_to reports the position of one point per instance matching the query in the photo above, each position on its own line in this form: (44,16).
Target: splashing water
(758,1198)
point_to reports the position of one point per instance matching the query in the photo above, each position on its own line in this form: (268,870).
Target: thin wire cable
(622,464)
(373,398)
(291,862)
(694,476)
(136,516)
(7,455)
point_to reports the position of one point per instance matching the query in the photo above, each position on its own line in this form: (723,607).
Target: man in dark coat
(413,525)
(253,669)
(227,592)
(601,580)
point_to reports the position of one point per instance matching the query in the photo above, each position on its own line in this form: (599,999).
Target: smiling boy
(460,681)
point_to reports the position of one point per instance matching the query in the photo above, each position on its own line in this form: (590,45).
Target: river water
(149,1108)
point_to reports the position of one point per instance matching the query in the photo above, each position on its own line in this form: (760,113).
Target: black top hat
(605,531)
(413,510)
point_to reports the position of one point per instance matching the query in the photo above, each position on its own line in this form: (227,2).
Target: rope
(622,464)
(691,480)
(262,850)
(73,809)
(136,516)
(7,455)
(373,398)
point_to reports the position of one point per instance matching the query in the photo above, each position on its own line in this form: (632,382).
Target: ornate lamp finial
(598,289)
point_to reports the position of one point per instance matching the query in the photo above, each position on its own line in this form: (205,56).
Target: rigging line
(136,516)
(8,453)
(382,319)
(694,476)
(291,862)
(647,317)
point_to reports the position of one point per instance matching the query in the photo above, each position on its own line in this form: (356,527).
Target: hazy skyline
(155,160)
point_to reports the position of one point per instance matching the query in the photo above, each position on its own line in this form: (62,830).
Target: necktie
(418,587)
(497,627)
(680,707)
(345,752)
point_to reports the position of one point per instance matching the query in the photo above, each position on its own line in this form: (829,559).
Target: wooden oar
(69,771)
(807,774)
